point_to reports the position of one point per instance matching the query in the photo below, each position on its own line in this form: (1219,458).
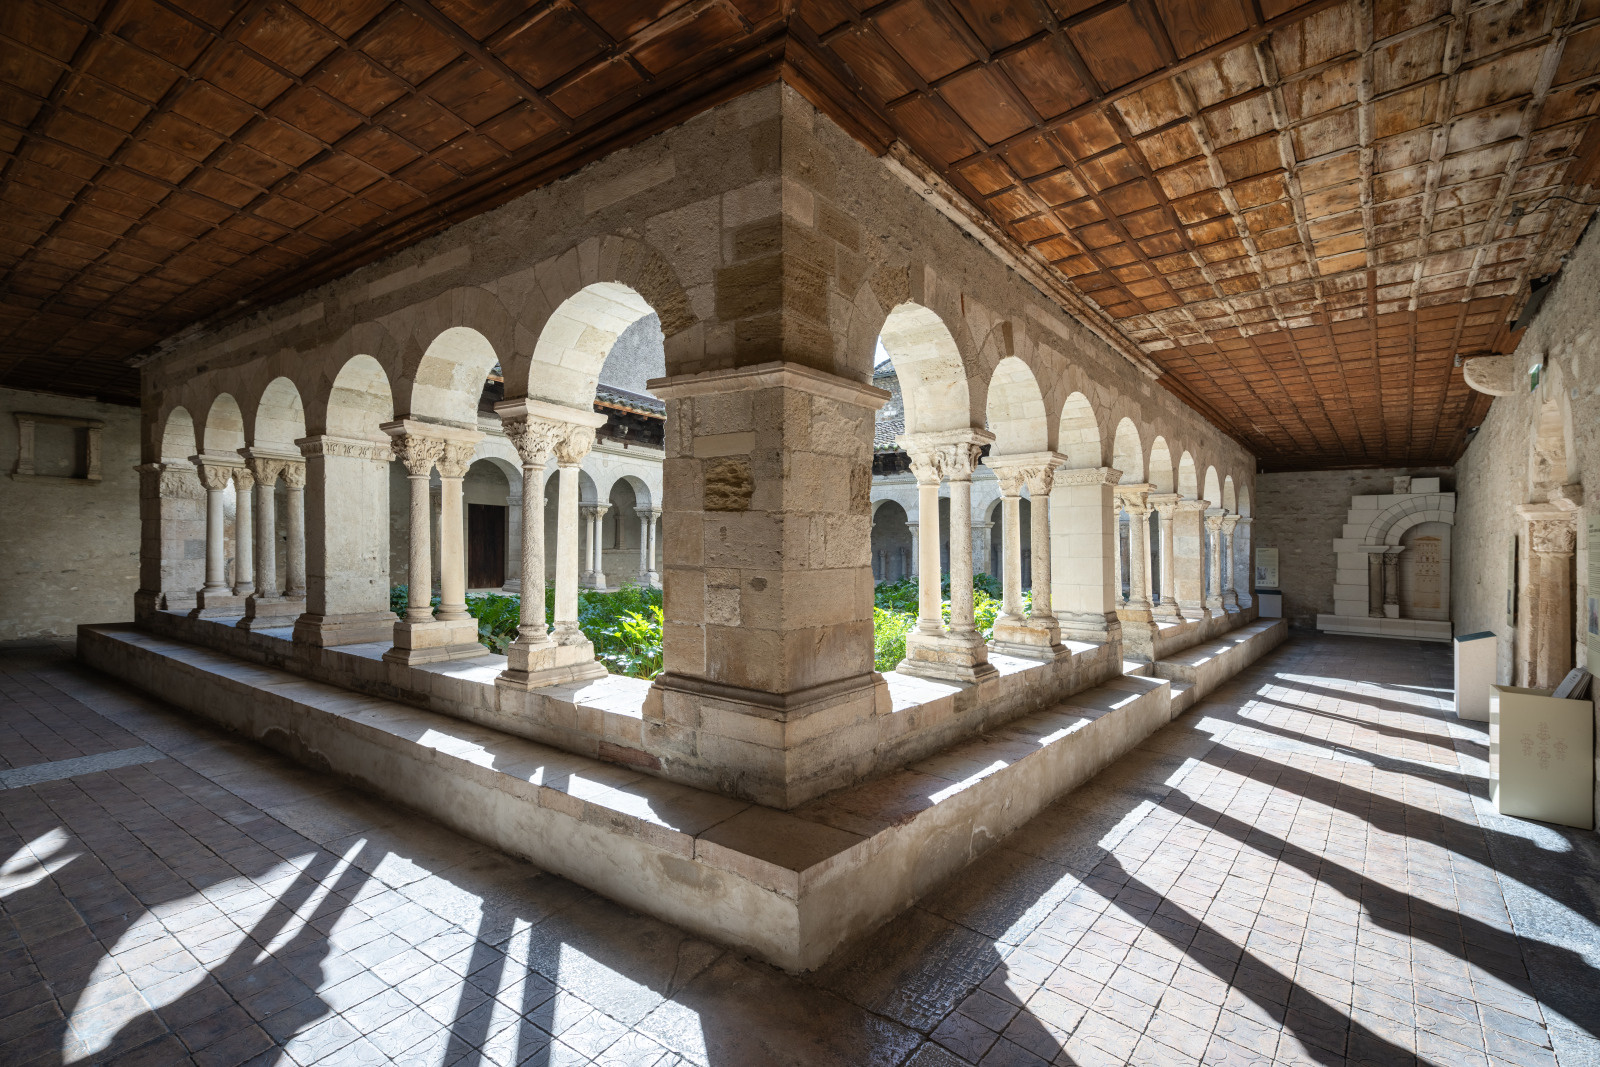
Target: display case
(1476,657)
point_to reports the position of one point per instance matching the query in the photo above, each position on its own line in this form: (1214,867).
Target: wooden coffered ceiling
(1301,213)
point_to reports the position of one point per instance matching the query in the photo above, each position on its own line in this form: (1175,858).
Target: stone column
(1138,619)
(1116,552)
(1391,583)
(1166,609)
(1375,583)
(244,532)
(959,655)
(586,541)
(597,551)
(453,465)
(1188,566)
(424,636)
(535,659)
(1547,608)
(1083,570)
(916,546)
(346,541)
(570,451)
(1230,600)
(268,607)
(172,541)
(647,546)
(1010,480)
(1214,528)
(294,552)
(216,599)
(1035,634)
(514,504)
(1244,564)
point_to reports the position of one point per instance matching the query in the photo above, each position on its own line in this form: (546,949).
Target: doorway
(486,546)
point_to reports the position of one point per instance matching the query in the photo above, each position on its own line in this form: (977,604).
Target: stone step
(1208,664)
(789,887)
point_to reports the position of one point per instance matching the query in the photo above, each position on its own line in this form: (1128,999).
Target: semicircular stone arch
(1016,411)
(1127,453)
(1078,437)
(1160,471)
(932,372)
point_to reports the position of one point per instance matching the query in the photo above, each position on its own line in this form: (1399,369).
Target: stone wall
(69,549)
(1300,513)
(1496,473)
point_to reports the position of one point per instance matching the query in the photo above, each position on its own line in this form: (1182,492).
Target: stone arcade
(768,705)
(939,379)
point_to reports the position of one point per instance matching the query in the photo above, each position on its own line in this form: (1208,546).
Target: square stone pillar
(1188,558)
(172,537)
(422,636)
(1244,563)
(1035,634)
(1083,576)
(956,653)
(347,541)
(1165,609)
(767,579)
(216,598)
(538,657)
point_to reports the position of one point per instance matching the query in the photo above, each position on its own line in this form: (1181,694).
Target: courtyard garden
(625,624)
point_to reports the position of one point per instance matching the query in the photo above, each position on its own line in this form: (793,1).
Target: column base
(1139,631)
(1166,613)
(245,589)
(512,587)
(217,604)
(354,628)
(947,659)
(1089,626)
(269,612)
(546,664)
(434,642)
(1391,611)
(1030,638)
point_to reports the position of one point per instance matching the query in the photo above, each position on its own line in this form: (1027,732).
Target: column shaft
(566,616)
(1039,547)
(453,466)
(930,609)
(961,554)
(267,535)
(244,571)
(1011,560)
(294,555)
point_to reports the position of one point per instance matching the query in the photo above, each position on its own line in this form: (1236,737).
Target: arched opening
(1188,481)
(221,439)
(223,432)
(1015,410)
(1230,502)
(578,340)
(449,379)
(1080,433)
(1213,496)
(1127,455)
(177,437)
(280,418)
(891,543)
(927,362)
(280,518)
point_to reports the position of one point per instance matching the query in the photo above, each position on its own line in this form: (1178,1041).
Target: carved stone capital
(416,453)
(1033,469)
(214,476)
(456,458)
(1164,503)
(1229,522)
(1135,496)
(1193,505)
(244,479)
(944,455)
(534,438)
(1214,523)
(294,475)
(1553,537)
(266,470)
(574,445)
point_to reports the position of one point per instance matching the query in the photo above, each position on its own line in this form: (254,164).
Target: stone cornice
(777,375)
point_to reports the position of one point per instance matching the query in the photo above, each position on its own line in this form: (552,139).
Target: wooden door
(486,546)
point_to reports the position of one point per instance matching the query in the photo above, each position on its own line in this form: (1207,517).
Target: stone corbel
(1567,497)
(1494,375)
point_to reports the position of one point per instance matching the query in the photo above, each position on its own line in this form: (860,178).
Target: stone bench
(789,887)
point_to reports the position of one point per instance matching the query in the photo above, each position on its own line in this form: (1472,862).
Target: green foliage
(498,617)
(889,630)
(895,609)
(400,597)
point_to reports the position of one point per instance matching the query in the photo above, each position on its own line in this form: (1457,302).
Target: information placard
(1591,608)
(1266,568)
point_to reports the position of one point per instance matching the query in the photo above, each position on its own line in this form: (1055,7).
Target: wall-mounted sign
(1511,585)
(1266,568)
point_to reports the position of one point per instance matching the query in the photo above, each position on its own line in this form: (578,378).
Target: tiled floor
(1301,869)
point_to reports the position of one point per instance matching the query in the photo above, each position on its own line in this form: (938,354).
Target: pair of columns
(424,636)
(1036,633)
(956,652)
(540,655)
(594,575)
(255,593)
(1383,581)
